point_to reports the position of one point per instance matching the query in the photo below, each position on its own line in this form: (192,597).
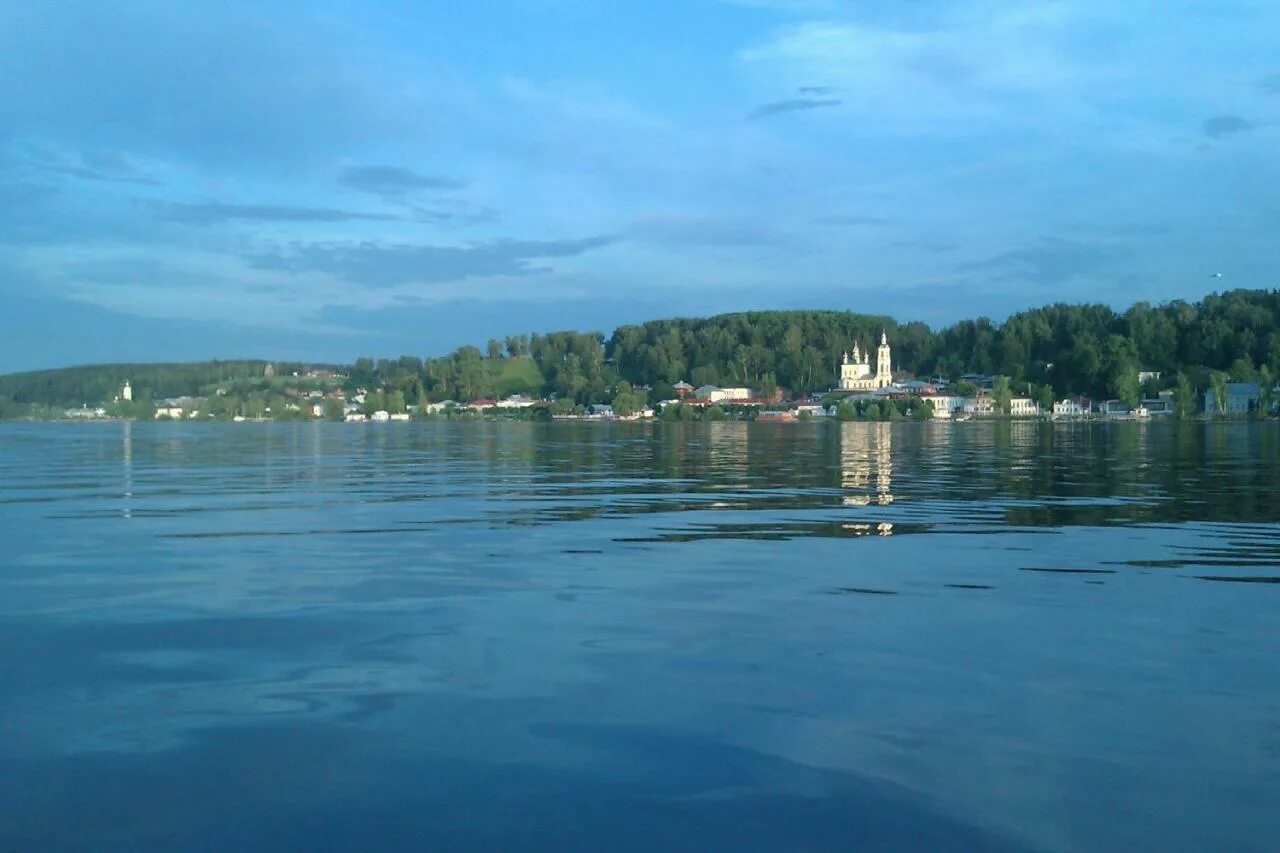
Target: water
(612,637)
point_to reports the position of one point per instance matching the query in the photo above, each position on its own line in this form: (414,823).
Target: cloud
(238,86)
(209,213)
(108,167)
(454,212)
(394,181)
(792,105)
(1227,125)
(380,265)
(816,90)
(676,229)
(1052,261)
(853,220)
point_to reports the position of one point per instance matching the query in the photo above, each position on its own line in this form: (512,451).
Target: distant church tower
(855,368)
(126,393)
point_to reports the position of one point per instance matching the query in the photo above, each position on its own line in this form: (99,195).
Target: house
(600,410)
(437,408)
(982,405)
(355,418)
(380,415)
(1145,376)
(1072,407)
(482,404)
(1160,406)
(400,416)
(945,405)
(1242,398)
(1023,407)
(1112,409)
(714,394)
(171,412)
(683,389)
(813,408)
(517,401)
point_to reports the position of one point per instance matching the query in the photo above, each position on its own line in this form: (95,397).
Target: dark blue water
(640,637)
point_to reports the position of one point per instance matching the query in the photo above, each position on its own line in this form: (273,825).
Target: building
(945,405)
(1242,398)
(126,393)
(683,389)
(1072,407)
(1023,407)
(714,394)
(855,368)
(517,401)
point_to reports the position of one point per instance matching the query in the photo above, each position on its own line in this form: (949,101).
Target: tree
(768,385)
(1184,397)
(627,402)
(1218,382)
(1002,396)
(1266,391)
(333,409)
(1043,396)
(494,349)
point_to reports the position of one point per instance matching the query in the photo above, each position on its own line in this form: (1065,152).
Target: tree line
(1051,351)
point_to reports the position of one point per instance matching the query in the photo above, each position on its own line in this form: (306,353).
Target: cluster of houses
(857,383)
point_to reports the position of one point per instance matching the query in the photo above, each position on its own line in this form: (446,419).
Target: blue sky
(322,180)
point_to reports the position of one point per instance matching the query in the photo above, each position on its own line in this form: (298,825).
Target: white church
(855,369)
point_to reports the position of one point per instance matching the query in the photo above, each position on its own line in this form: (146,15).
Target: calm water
(615,637)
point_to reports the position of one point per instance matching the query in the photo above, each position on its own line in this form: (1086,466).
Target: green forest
(1055,350)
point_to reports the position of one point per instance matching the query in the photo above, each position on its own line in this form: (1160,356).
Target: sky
(322,180)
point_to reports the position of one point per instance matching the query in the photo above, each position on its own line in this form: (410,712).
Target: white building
(855,368)
(126,393)
(517,401)
(1072,407)
(945,405)
(380,415)
(713,394)
(1023,407)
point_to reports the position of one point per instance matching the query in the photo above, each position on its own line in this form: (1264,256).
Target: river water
(594,636)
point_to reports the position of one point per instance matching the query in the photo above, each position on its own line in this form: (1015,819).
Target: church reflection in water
(866,471)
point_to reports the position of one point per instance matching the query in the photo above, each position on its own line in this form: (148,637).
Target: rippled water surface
(612,637)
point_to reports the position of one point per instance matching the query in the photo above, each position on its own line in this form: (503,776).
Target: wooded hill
(1086,349)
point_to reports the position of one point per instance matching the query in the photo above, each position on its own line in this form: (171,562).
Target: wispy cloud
(853,220)
(681,229)
(208,213)
(1227,125)
(816,90)
(1051,261)
(792,105)
(394,181)
(386,265)
(107,167)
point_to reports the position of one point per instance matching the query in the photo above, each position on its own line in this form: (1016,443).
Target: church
(855,369)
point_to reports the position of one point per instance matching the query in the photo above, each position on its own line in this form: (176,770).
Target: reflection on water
(714,636)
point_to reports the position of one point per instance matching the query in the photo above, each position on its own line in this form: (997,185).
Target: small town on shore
(860,391)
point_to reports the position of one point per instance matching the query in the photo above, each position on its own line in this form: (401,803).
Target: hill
(1088,349)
